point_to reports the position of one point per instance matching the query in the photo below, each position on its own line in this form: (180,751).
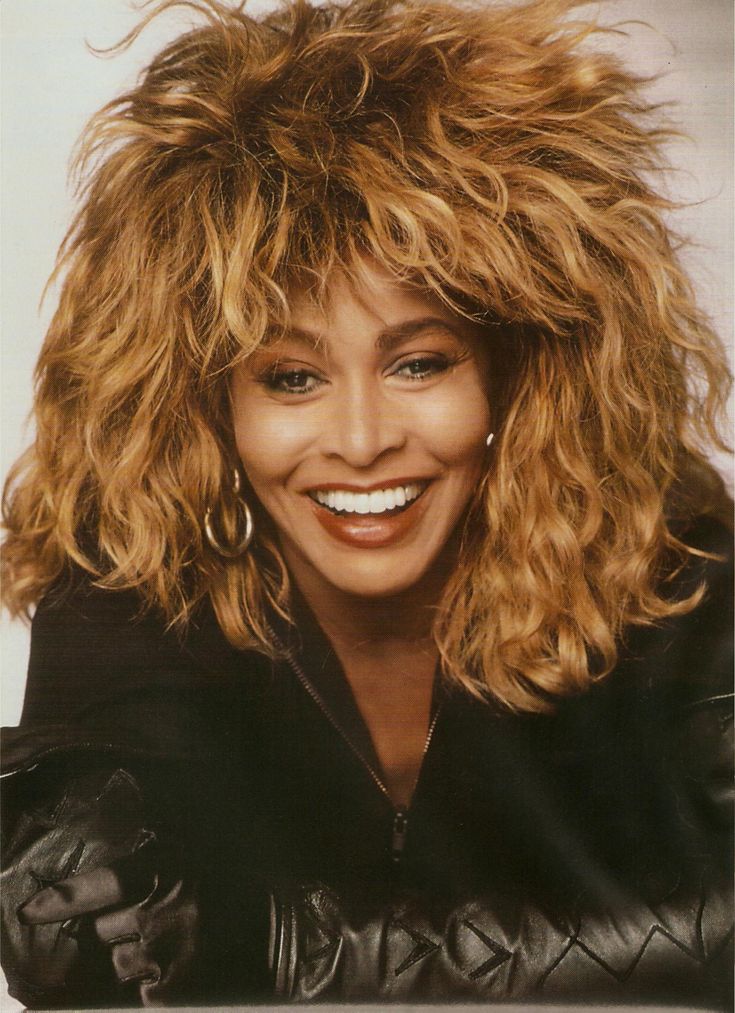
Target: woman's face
(363,432)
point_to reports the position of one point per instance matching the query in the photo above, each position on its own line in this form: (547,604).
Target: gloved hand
(147,918)
(95,912)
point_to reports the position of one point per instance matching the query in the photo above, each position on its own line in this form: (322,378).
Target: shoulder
(91,645)
(675,676)
(671,695)
(106,677)
(687,658)
(713,566)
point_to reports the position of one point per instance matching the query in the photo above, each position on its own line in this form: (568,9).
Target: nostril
(363,432)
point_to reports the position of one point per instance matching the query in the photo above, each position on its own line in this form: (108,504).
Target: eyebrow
(386,341)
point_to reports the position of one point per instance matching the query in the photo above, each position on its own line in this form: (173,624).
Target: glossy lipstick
(371,530)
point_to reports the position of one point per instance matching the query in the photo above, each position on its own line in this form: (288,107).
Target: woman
(380,647)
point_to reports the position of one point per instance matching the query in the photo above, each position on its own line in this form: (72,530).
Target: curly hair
(487,154)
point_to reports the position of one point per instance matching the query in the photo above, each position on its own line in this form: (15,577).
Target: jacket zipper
(398,837)
(400,815)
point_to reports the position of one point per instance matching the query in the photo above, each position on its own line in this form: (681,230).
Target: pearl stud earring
(489,439)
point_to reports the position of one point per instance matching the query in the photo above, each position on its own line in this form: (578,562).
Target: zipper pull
(398,839)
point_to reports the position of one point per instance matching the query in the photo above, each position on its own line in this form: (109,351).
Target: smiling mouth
(389,501)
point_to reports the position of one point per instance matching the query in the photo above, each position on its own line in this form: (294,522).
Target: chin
(375,582)
(375,590)
(370,574)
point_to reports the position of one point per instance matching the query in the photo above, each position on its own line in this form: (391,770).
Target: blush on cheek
(460,427)
(270,438)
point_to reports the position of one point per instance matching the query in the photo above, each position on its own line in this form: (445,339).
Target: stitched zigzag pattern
(626,973)
(471,951)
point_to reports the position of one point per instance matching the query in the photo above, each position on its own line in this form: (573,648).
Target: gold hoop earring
(239,548)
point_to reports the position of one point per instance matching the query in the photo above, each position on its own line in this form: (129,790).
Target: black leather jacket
(581,856)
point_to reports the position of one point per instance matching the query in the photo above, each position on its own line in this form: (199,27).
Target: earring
(489,439)
(237,549)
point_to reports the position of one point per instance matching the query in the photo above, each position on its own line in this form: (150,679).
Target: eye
(291,381)
(422,367)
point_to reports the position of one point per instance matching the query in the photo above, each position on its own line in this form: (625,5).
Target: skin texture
(394,390)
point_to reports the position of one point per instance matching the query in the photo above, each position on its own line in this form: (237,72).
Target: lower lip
(370,531)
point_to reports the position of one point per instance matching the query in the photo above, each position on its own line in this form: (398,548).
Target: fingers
(127,880)
(89,891)
(149,923)
(120,930)
(132,963)
(118,927)
(154,942)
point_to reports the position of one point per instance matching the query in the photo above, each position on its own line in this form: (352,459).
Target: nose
(363,425)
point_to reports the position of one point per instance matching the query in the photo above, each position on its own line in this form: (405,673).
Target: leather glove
(95,912)
(148,922)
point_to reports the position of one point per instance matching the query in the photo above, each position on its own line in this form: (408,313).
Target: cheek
(458,424)
(266,438)
(266,443)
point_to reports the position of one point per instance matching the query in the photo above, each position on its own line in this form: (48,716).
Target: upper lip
(389,483)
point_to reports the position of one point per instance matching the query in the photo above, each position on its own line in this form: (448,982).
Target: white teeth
(376,502)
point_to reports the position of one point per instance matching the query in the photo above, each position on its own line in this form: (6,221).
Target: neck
(387,652)
(367,624)
(356,624)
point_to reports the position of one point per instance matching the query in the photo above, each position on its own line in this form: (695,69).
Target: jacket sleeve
(485,951)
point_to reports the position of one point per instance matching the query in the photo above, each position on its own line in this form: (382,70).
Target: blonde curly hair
(487,154)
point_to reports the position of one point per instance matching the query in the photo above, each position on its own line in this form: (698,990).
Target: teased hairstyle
(483,152)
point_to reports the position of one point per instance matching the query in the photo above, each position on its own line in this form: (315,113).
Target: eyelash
(275,380)
(436,364)
(432,365)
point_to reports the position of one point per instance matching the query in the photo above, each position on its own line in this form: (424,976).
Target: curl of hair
(484,153)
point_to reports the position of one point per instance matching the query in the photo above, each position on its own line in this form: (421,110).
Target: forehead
(369,295)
